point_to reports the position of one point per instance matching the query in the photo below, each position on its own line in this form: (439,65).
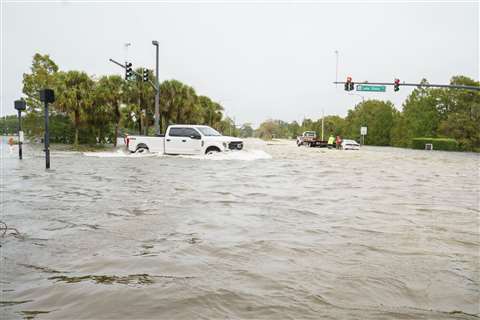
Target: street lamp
(20,105)
(158,129)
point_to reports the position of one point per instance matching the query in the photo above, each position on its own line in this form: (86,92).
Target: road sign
(363,131)
(365,87)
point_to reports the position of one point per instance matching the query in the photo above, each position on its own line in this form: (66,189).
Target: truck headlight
(225,145)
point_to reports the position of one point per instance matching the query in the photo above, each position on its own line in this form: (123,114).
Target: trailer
(309,139)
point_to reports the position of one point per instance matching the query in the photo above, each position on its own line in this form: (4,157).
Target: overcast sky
(270,60)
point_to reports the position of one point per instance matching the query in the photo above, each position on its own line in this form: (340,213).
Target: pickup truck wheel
(212,150)
(142,149)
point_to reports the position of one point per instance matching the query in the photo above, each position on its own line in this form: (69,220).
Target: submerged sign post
(363,133)
(370,88)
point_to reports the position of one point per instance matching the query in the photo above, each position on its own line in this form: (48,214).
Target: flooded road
(273,232)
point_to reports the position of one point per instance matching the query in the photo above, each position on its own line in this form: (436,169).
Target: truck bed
(155,143)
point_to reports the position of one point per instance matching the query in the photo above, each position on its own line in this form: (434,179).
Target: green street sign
(365,87)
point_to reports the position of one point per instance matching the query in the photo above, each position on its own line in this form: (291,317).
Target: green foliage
(89,110)
(227,127)
(438,143)
(420,113)
(9,125)
(377,116)
(43,75)
(335,126)
(449,113)
(246,131)
(398,135)
(74,96)
(274,129)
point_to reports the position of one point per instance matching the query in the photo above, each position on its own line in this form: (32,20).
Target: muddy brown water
(272,232)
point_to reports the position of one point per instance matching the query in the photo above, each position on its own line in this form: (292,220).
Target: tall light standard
(158,128)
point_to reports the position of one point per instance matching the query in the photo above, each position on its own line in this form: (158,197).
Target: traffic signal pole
(134,72)
(450,86)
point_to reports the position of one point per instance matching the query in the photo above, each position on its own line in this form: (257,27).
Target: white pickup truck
(184,139)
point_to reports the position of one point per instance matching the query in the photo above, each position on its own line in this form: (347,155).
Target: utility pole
(158,128)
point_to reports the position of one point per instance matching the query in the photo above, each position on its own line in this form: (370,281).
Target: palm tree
(75,96)
(110,92)
(211,111)
(142,95)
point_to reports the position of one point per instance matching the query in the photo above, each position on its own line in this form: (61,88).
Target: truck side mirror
(196,136)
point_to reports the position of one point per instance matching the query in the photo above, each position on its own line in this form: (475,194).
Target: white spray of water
(118,154)
(244,155)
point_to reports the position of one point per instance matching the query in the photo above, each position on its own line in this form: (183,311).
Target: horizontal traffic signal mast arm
(135,72)
(427,85)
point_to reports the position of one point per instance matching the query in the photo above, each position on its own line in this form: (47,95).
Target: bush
(438,143)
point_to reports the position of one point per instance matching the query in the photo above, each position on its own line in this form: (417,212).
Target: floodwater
(272,232)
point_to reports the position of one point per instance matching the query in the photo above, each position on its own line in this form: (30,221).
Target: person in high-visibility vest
(331,141)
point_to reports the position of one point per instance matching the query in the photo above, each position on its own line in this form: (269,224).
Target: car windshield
(207,131)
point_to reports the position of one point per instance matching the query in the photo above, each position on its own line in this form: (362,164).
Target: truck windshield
(207,131)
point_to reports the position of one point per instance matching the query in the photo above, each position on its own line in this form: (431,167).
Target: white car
(185,139)
(350,145)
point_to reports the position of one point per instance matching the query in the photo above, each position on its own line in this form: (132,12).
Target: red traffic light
(396,85)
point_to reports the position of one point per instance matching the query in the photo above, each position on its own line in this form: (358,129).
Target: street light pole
(158,128)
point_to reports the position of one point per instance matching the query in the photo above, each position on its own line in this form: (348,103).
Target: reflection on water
(291,233)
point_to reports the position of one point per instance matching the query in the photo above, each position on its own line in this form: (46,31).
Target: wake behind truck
(184,139)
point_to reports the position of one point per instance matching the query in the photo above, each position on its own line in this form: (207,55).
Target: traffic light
(145,75)
(349,84)
(128,71)
(396,85)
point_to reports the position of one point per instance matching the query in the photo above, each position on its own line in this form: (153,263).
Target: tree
(461,114)
(333,125)
(398,134)
(294,130)
(75,96)
(420,113)
(110,94)
(140,96)
(246,130)
(211,111)
(43,74)
(377,116)
(227,127)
